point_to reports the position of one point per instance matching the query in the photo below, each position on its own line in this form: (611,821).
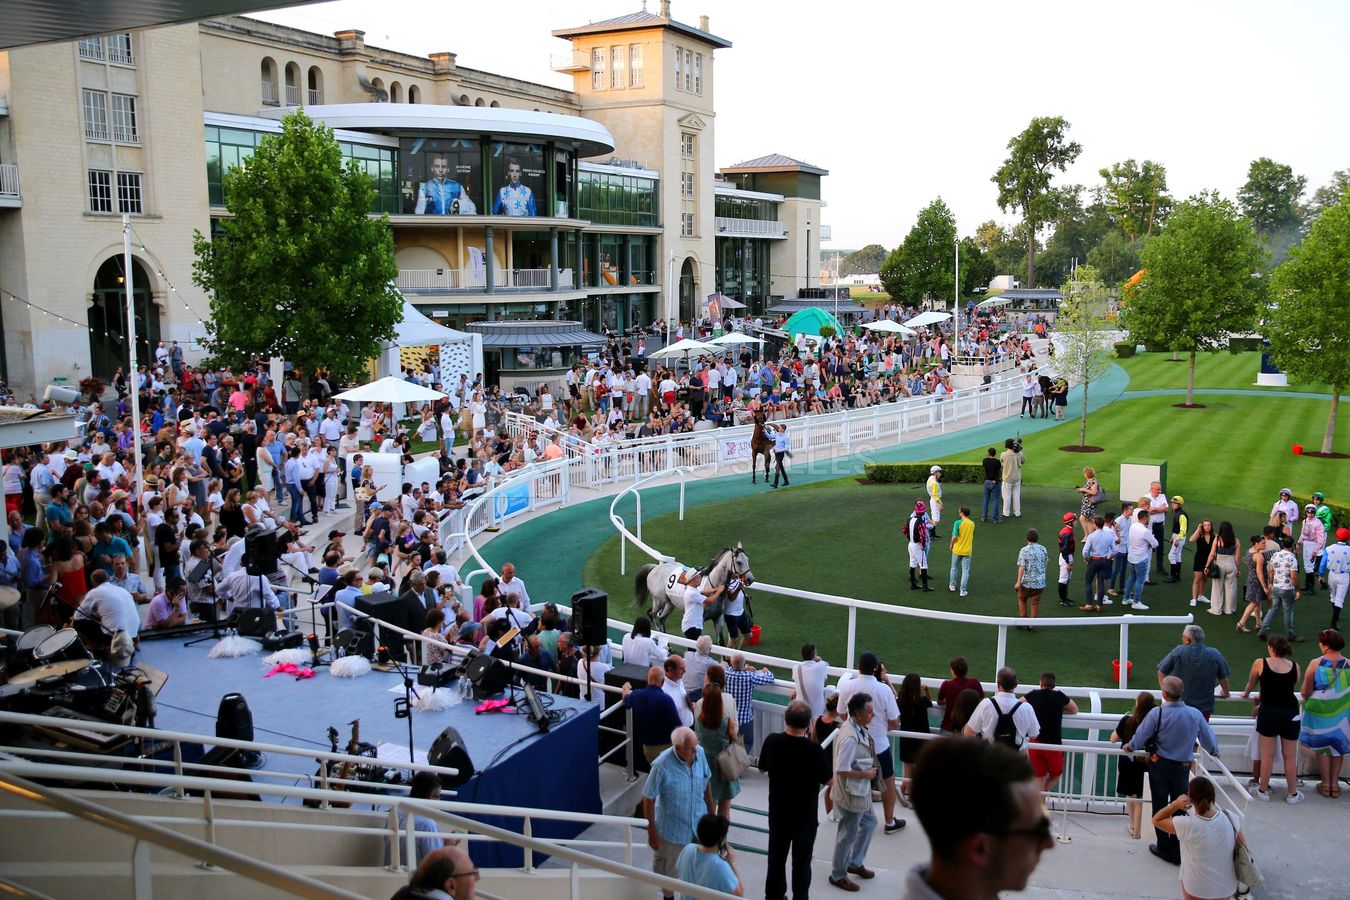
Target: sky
(903,101)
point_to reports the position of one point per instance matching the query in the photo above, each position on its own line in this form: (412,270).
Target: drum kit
(49,668)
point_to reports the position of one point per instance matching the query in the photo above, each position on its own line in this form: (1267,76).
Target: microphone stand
(403,705)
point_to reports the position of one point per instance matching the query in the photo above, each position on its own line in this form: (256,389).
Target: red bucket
(1298,449)
(754,635)
(1115,670)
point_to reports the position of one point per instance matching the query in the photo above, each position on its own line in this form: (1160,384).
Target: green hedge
(1125,349)
(1237,344)
(917,473)
(1340,515)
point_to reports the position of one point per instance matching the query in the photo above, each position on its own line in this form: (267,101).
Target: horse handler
(782,448)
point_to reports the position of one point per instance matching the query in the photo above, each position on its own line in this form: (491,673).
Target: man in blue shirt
(1176,727)
(654,716)
(295,485)
(513,198)
(782,449)
(441,195)
(1097,549)
(33,578)
(106,546)
(1199,667)
(677,794)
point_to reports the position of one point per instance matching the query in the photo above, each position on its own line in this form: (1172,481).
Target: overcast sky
(906,101)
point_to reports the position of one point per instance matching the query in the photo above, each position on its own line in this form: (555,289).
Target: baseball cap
(335,533)
(733,586)
(1069,517)
(1318,495)
(377,505)
(71,454)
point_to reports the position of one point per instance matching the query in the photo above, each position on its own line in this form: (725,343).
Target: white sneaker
(1202,600)
(1139,607)
(1106,601)
(965,593)
(1296,797)
(1263,796)
(952,588)
(1193,601)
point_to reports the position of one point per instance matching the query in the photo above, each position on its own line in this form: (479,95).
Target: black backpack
(1005,729)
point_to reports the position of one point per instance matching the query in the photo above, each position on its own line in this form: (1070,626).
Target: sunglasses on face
(1040,832)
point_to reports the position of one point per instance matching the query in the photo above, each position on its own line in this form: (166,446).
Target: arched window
(292,84)
(314,84)
(479,102)
(464,100)
(494,104)
(395,92)
(270,95)
(414,94)
(378,84)
(108,346)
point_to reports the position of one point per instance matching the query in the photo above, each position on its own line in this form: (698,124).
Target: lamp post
(132,367)
(956,299)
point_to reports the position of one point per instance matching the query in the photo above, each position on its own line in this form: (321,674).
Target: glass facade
(745,208)
(613,260)
(743,270)
(226,148)
(607,198)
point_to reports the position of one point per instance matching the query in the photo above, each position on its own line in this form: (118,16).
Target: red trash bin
(754,635)
(1115,670)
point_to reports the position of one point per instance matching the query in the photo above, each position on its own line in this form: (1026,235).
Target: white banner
(733,449)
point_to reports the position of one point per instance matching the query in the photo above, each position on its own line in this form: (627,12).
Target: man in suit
(414,603)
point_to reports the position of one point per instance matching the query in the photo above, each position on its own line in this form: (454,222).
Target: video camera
(1014,444)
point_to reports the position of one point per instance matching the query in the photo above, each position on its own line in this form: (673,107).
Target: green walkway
(552,549)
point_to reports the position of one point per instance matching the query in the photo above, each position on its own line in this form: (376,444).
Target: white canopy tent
(735,337)
(460,350)
(993,301)
(931,317)
(889,326)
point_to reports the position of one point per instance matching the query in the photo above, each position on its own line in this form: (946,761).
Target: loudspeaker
(383,606)
(261,553)
(448,750)
(436,675)
(355,642)
(590,612)
(488,676)
(282,640)
(234,720)
(254,622)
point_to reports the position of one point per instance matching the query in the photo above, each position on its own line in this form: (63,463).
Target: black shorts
(1278,722)
(886,760)
(738,625)
(693,634)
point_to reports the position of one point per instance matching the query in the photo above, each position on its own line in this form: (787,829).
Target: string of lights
(173,290)
(10,295)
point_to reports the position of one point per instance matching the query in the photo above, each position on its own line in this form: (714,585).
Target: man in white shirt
(642,391)
(449,574)
(984,722)
(673,687)
(808,679)
(869,680)
(331,428)
(1158,506)
(113,610)
(240,589)
(510,584)
(695,599)
(1142,542)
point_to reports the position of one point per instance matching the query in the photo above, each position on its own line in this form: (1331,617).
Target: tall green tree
(1083,335)
(1005,250)
(1201,281)
(1114,258)
(1327,195)
(1270,198)
(1306,320)
(1024,179)
(300,270)
(1078,229)
(866,261)
(924,265)
(1136,196)
(977,268)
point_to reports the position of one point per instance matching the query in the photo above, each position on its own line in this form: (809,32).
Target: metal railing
(750,227)
(9,180)
(269,93)
(292,95)
(314,98)
(470,279)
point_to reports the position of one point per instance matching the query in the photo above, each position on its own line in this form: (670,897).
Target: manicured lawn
(844,538)
(1236,452)
(1155,371)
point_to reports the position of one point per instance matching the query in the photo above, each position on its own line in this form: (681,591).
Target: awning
(993,301)
(416,330)
(725,302)
(796,305)
(536,334)
(927,318)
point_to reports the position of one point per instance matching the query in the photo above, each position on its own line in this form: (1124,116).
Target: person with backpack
(1004,718)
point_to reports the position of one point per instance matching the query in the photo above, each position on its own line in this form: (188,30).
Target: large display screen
(518,183)
(441,176)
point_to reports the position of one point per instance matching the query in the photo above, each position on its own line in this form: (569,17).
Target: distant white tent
(461,351)
(928,318)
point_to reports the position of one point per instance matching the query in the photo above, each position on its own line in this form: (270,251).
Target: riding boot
(1064,594)
(924,574)
(1335,618)
(913,585)
(1309,583)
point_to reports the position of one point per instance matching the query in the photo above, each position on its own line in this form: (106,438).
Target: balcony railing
(315,97)
(91,48)
(9,181)
(444,280)
(825,232)
(750,228)
(269,93)
(579,61)
(292,95)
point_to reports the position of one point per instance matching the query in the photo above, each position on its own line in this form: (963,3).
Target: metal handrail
(265,873)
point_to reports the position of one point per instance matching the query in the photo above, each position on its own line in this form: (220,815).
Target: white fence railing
(269,92)
(524,491)
(810,437)
(9,180)
(750,227)
(476,279)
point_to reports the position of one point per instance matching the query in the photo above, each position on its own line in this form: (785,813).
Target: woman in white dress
(266,465)
(478,412)
(330,479)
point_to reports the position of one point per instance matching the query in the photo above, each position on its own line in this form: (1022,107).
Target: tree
(1077,230)
(1114,258)
(1306,319)
(1270,197)
(977,268)
(1005,251)
(923,266)
(1201,281)
(1084,334)
(866,261)
(1024,178)
(1135,196)
(1327,195)
(300,270)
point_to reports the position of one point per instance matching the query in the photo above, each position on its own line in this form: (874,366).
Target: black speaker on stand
(448,750)
(261,554)
(590,615)
(234,720)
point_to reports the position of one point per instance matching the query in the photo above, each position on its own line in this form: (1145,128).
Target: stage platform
(517,765)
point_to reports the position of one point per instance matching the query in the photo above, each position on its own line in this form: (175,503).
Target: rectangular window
(95,116)
(687,225)
(687,146)
(100,191)
(119,49)
(688,71)
(616,68)
(687,184)
(679,68)
(698,74)
(129,192)
(598,69)
(634,65)
(124,119)
(91,48)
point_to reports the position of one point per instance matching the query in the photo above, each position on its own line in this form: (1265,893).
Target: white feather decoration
(233,645)
(435,699)
(300,656)
(350,667)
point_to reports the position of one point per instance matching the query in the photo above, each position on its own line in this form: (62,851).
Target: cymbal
(9,596)
(51,670)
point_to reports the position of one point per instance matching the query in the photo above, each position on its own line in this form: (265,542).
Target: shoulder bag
(1244,864)
(733,761)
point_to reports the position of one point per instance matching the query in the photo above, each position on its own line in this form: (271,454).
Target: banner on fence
(734,448)
(511,500)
